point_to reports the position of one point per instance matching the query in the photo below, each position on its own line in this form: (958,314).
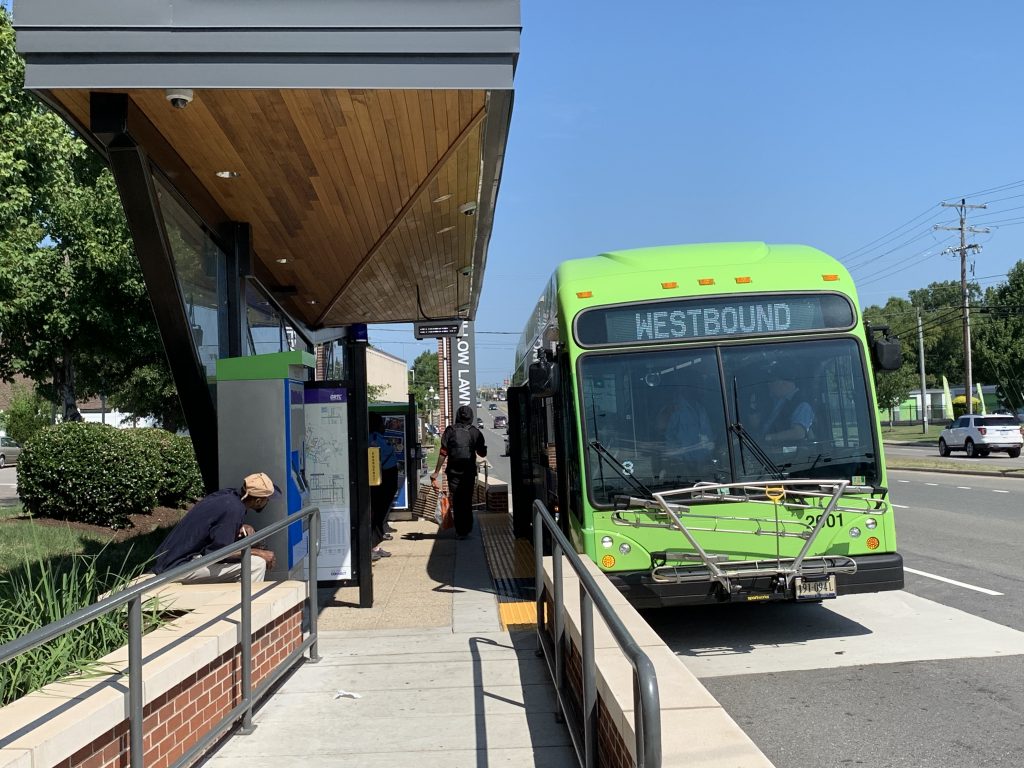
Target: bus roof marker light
(670,284)
(584,294)
(830,278)
(706,281)
(743,280)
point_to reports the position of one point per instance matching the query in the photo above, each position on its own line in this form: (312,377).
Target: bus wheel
(969,448)
(943,448)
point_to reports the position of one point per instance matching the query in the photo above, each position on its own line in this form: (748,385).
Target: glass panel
(667,419)
(201,270)
(264,331)
(655,417)
(804,408)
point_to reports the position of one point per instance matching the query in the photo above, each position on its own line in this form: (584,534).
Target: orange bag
(446,518)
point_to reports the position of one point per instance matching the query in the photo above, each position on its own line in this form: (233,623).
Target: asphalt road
(931,676)
(8,486)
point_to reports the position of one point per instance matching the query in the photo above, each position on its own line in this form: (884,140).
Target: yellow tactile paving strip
(510,561)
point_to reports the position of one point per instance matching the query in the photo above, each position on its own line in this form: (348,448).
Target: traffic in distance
(702,419)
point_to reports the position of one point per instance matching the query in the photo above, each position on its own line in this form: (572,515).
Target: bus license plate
(819,589)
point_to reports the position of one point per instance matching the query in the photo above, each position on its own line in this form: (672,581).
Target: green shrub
(89,473)
(26,414)
(180,481)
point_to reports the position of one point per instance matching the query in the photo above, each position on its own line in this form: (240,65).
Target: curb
(955,471)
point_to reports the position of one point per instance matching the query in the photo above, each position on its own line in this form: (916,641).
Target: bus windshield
(671,418)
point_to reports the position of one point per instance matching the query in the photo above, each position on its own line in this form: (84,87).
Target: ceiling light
(468,209)
(281,261)
(311,301)
(446,229)
(228,174)
(441,199)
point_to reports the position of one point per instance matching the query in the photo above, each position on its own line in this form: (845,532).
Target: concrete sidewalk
(439,682)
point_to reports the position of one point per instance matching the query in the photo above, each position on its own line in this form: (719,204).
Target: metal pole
(314,607)
(920,361)
(559,608)
(135,755)
(538,574)
(589,679)
(968,396)
(247,726)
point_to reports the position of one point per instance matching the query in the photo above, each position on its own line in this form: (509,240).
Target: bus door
(520,441)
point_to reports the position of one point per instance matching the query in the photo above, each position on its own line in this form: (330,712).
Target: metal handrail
(646,700)
(133,597)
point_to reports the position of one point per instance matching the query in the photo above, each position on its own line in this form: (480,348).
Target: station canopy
(361,141)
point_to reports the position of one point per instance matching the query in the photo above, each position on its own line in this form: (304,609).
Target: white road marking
(931,483)
(964,487)
(901,506)
(853,630)
(902,481)
(996,490)
(954,583)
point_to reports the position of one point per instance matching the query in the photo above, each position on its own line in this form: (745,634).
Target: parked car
(980,435)
(500,421)
(9,452)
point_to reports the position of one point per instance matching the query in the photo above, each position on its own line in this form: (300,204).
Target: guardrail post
(559,609)
(538,575)
(135,756)
(314,606)
(589,679)
(247,726)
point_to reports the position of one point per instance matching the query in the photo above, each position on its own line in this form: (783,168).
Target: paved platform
(426,677)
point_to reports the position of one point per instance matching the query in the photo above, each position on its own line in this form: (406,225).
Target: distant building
(389,372)
(909,411)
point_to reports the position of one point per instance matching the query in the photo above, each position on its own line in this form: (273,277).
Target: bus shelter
(288,170)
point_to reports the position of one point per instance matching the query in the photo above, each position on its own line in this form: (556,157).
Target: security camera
(467,209)
(467,271)
(179,97)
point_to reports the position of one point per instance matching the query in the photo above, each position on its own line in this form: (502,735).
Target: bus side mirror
(886,350)
(888,353)
(543,378)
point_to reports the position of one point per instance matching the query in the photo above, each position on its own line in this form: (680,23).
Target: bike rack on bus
(789,494)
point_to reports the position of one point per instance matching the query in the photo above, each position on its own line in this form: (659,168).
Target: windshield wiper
(623,470)
(758,452)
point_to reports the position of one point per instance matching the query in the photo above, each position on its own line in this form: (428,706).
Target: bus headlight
(871,523)
(855,532)
(624,548)
(606,542)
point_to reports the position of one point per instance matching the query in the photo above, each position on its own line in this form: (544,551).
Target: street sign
(436,328)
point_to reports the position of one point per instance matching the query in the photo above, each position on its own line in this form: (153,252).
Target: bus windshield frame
(671,416)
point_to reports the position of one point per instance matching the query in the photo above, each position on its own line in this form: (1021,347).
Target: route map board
(327,470)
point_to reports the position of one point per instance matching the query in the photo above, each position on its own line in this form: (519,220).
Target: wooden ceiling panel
(341,183)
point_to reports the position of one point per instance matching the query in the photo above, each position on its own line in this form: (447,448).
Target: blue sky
(829,124)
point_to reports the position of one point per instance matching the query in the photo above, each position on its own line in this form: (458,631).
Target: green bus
(702,421)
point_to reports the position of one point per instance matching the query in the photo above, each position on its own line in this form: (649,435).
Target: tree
(26,414)
(424,376)
(74,314)
(998,337)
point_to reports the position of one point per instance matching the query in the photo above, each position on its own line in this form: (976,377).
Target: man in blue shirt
(382,495)
(214,522)
(791,417)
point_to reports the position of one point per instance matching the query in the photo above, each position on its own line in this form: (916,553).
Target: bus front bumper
(875,573)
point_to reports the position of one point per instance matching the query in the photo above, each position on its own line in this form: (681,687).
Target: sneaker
(388,537)
(390,529)
(375,556)
(382,553)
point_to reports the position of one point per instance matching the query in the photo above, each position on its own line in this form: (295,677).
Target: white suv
(979,435)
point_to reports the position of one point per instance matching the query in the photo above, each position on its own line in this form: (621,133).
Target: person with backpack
(461,443)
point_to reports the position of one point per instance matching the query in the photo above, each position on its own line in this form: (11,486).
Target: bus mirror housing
(886,350)
(543,378)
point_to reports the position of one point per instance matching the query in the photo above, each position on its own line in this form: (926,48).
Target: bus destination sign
(687,319)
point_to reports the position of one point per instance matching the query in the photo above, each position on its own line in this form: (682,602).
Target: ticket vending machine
(261,428)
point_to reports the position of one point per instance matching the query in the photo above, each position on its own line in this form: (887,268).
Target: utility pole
(920,360)
(962,208)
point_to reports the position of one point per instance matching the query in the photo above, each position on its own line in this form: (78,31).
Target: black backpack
(462,443)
